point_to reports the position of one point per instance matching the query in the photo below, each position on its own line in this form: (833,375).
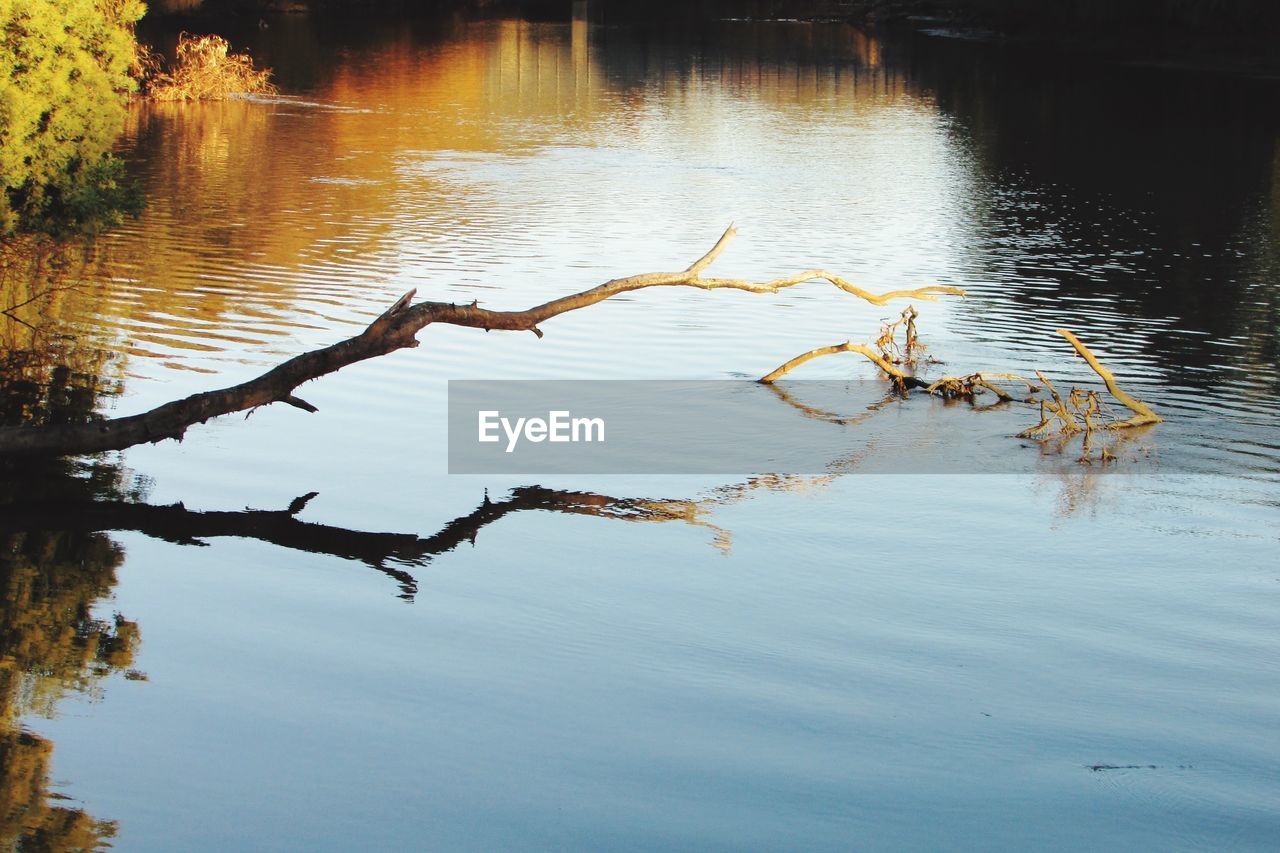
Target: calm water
(1063,658)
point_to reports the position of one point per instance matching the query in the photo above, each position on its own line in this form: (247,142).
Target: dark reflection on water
(56,578)
(1130,196)
(382,551)
(49,374)
(54,640)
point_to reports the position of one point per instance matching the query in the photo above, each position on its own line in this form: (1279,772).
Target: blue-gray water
(1061,658)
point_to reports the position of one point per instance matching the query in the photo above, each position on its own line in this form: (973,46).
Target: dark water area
(299,630)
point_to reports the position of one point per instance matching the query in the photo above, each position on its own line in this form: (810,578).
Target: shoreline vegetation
(71,69)
(73,65)
(69,74)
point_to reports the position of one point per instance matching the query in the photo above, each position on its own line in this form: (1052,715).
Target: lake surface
(197,655)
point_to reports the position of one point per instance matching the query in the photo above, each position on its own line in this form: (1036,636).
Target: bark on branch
(397,328)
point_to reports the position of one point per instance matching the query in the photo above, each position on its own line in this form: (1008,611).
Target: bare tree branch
(395,329)
(874,357)
(1142,413)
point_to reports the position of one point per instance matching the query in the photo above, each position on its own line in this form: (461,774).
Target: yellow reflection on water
(272,221)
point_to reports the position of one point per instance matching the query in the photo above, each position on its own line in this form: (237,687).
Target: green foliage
(64,80)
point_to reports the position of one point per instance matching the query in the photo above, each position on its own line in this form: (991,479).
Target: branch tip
(300,503)
(298,403)
(709,258)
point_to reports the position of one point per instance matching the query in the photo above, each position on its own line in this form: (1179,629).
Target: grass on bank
(205,69)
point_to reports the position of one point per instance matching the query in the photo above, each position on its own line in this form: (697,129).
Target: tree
(65,81)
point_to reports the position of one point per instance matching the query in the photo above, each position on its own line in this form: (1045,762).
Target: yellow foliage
(205,69)
(63,86)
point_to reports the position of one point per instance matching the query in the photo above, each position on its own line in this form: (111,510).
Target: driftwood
(879,359)
(1079,412)
(395,329)
(886,354)
(1142,413)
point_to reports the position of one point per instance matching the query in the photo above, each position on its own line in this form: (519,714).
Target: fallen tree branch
(395,329)
(874,357)
(1142,413)
(1079,412)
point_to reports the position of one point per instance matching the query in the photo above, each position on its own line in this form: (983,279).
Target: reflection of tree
(51,578)
(1151,192)
(27,820)
(57,563)
(48,376)
(52,643)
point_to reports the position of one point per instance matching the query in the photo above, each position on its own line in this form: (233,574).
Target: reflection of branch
(175,523)
(49,291)
(395,329)
(818,414)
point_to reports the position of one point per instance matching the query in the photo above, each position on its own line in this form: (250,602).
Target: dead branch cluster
(1080,411)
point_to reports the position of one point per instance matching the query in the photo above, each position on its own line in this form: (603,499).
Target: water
(1062,658)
